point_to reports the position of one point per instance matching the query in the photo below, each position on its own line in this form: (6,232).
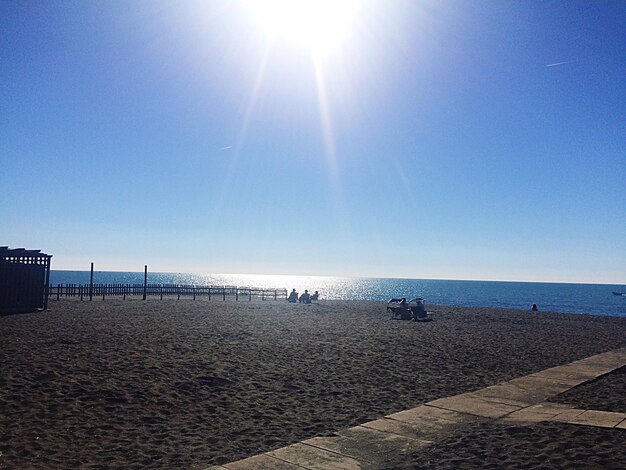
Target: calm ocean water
(596,299)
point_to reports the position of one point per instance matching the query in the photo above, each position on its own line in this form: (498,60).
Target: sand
(547,445)
(606,393)
(185,384)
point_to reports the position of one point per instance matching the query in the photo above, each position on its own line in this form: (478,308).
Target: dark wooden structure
(24,280)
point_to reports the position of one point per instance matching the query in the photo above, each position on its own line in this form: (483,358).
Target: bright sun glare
(318,25)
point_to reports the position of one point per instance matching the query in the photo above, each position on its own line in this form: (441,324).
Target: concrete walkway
(385,443)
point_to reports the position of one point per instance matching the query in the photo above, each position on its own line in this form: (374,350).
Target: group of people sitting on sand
(415,310)
(305,298)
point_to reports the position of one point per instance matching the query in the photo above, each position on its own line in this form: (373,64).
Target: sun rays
(319,30)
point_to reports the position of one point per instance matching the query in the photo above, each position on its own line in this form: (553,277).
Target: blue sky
(437,140)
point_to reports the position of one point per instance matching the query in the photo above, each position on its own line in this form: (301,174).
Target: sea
(591,299)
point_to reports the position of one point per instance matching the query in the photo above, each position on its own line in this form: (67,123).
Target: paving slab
(593,371)
(568,374)
(603,419)
(570,379)
(422,432)
(607,361)
(536,413)
(540,388)
(500,400)
(612,352)
(568,415)
(551,408)
(562,382)
(373,449)
(526,415)
(426,413)
(523,391)
(621,425)
(508,394)
(621,354)
(315,458)
(471,404)
(370,436)
(260,462)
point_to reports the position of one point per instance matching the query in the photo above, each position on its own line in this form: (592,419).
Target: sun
(318,25)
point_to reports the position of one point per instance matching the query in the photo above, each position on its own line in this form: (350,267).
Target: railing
(88,291)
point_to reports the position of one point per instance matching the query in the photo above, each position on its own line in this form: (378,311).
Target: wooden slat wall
(24,276)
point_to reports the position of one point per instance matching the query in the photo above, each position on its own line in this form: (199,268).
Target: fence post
(224,294)
(209,292)
(237,294)
(58,290)
(178,291)
(91,283)
(81,289)
(47,283)
(275,294)
(161,290)
(145,281)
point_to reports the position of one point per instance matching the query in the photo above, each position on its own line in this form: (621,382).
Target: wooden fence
(88,291)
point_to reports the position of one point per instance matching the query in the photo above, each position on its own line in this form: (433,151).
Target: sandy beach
(186,384)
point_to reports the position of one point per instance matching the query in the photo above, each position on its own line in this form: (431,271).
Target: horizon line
(356,277)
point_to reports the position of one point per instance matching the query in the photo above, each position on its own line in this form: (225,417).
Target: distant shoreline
(594,299)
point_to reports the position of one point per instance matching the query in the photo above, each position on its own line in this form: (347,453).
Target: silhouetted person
(534,308)
(403,310)
(315,297)
(419,311)
(293,297)
(305,298)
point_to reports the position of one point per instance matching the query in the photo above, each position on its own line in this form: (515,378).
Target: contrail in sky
(560,63)
(227,147)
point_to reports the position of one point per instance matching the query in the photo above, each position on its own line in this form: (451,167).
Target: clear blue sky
(437,140)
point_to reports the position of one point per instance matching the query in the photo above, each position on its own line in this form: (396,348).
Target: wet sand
(185,384)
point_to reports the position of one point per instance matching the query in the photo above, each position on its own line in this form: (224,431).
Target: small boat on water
(619,293)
